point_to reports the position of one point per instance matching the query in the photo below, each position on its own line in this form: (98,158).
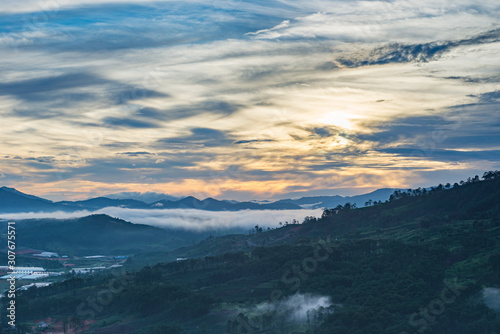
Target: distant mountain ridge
(211,204)
(14,201)
(103,202)
(317,202)
(146,197)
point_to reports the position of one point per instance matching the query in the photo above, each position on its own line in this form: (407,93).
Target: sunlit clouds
(243,100)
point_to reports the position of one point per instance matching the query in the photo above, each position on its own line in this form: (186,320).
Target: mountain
(211,204)
(316,202)
(409,216)
(147,197)
(427,261)
(12,201)
(103,202)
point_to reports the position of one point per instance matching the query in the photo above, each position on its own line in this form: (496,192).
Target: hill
(407,216)
(12,200)
(98,235)
(425,261)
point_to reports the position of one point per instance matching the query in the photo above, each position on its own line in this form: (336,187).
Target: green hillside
(411,216)
(424,262)
(90,235)
(98,234)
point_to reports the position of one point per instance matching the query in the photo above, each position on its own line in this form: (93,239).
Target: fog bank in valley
(491,297)
(187,219)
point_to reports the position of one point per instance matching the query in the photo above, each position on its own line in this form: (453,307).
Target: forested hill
(473,199)
(410,215)
(98,234)
(91,235)
(427,261)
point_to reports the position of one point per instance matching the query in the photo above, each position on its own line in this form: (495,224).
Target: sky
(246,99)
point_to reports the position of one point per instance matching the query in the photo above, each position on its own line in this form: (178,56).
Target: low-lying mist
(187,219)
(491,297)
(296,308)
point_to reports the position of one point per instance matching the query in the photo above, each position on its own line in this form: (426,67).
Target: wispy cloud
(404,53)
(240,98)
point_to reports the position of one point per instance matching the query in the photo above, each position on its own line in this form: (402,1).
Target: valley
(374,269)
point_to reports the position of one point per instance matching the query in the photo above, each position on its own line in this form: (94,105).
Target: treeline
(399,194)
(404,194)
(472,199)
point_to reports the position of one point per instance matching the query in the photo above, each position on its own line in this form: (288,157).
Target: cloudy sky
(246,99)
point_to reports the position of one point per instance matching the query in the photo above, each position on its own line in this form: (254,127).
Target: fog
(491,297)
(188,219)
(295,308)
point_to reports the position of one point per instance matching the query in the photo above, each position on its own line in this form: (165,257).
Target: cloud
(129,123)
(42,215)
(296,308)
(282,25)
(35,89)
(402,129)
(93,26)
(398,53)
(490,97)
(131,93)
(278,89)
(136,154)
(491,297)
(218,108)
(402,53)
(483,141)
(186,219)
(201,136)
(253,141)
(445,155)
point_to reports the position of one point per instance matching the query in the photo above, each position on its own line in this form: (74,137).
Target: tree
(76,322)
(491,175)
(258,229)
(309,219)
(349,206)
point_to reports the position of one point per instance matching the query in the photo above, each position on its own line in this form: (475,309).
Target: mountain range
(356,270)
(14,201)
